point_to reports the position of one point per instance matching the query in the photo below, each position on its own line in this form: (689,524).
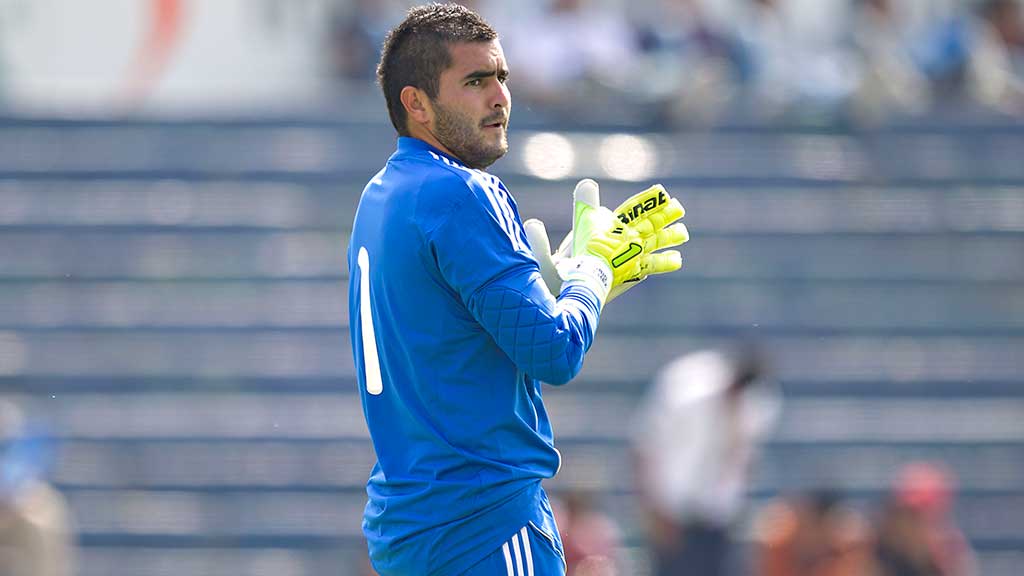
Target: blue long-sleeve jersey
(452,332)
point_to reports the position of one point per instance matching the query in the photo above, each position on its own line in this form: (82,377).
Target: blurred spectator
(813,535)
(916,534)
(943,54)
(590,537)
(997,57)
(35,532)
(695,436)
(688,64)
(890,80)
(355,37)
(978,57)
(793,66)
(560,53)
(771,51)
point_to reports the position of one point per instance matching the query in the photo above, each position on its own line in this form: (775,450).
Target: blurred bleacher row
(173,305)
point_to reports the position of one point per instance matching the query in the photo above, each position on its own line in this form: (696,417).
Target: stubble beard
(465,139)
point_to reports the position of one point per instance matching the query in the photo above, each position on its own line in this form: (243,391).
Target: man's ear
(417,105)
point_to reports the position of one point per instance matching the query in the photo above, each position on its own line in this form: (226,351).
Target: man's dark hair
(415,52)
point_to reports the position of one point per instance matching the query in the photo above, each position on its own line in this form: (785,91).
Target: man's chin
(486,158)
(497,155)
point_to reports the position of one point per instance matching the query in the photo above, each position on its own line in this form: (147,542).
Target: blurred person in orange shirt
(812,535)
(35,525)
(917,535)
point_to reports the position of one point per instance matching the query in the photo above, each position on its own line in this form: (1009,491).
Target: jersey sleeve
(483,254)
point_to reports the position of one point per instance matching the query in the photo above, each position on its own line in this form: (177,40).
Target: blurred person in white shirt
(695,436)
(566,48)
(797,63)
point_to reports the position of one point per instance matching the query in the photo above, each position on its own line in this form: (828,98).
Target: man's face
(472,107)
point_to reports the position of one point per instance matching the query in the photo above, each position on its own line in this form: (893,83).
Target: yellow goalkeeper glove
(652,213)
(627,247)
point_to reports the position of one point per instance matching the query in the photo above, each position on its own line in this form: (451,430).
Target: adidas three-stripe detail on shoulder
(497,196)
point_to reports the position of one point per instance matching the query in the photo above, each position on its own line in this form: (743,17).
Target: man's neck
(422,133)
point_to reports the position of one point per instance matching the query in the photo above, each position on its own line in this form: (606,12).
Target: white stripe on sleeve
(502,218)
(503,211)
(510,214)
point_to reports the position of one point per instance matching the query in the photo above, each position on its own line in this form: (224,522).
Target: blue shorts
(529,552)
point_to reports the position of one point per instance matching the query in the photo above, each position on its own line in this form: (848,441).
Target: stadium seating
(173,305)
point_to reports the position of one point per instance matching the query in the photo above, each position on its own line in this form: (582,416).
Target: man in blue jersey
(452,325)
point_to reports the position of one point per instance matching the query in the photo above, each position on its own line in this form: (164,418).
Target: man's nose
(502,98)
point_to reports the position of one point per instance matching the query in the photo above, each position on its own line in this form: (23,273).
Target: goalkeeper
(452,324)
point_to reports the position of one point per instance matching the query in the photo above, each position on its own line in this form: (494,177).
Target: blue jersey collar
(410,145)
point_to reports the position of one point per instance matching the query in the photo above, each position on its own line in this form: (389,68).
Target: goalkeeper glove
(627,247)
(638,209)
(650,212)
(633,210)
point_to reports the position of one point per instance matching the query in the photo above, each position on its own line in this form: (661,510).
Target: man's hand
(627,247)
(651,212)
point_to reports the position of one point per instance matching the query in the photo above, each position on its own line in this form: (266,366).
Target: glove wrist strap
(590,271)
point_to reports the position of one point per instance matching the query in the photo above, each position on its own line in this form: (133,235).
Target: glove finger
(565,248)
(625,210)
(673,235)
(662,262)
(657,263)
(658,218)
(588,192)
(537,235)
(641,203)
(672,210)
(589,217)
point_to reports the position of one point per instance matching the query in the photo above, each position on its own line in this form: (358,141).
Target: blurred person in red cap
(917,535)
(35,534)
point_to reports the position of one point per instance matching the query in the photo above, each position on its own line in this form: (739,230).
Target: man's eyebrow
(484,74)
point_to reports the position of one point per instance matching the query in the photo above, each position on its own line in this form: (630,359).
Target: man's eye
(474,82)
(503,78)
